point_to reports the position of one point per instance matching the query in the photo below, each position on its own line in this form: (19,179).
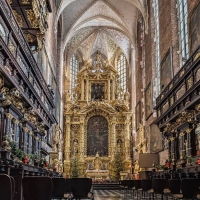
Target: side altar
(97,120)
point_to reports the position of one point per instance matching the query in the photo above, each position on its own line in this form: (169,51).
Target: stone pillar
(109,90)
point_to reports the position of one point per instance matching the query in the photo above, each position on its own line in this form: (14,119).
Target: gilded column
(127,138)
(82,89)
(109,90)
(67,150)
(113,137)
(67,139)
(113,90)
(82,138)
(87,90)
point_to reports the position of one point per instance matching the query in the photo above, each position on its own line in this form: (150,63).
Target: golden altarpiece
(97,121)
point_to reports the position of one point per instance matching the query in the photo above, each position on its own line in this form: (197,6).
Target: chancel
(99,99)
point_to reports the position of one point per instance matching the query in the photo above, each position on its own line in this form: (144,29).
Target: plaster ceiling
(99,25)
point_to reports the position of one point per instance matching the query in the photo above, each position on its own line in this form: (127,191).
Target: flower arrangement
(26,159)
(16,152)
(46,163)
(166,166)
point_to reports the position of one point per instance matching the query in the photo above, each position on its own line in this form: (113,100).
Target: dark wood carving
(97,136)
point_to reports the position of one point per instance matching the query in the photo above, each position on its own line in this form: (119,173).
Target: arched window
(121,67)
(183,29)
(157,43)
(73,72)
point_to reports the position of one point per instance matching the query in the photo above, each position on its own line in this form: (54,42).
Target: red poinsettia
(26,160)
(168,164)
(46,164)
(198,161)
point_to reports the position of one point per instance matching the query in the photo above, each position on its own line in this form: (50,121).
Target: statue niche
(97,136)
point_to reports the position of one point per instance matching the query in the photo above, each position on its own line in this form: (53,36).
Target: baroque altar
(97,120)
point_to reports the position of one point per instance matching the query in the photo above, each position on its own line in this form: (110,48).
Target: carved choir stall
(97,121)
(178,110)
(27,121)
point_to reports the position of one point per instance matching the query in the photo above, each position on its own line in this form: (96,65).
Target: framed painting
(148,100)
(97,136)
(194,29)
(97,91)
(156,140)
(166,71)
(138,114)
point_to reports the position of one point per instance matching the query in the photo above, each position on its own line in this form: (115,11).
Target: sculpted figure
(56,139)
(127,96)
(137,167)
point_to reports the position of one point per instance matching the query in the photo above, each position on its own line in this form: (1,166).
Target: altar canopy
(97,119)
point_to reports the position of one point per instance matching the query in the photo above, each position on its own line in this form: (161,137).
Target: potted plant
(35,158)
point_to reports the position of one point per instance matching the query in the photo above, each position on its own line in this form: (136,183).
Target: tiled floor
(110,195)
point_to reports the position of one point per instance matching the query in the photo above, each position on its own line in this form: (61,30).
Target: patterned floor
(110,195)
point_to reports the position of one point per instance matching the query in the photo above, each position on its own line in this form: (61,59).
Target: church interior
(99,99)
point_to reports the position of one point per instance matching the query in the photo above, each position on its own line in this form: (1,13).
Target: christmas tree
(117,166)
(74,168)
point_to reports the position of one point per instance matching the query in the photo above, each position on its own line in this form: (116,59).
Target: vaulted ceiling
(99,25)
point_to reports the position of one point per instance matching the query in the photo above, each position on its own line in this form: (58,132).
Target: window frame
(122,70)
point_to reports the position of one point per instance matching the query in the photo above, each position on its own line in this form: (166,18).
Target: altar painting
(97,136)
(97,92)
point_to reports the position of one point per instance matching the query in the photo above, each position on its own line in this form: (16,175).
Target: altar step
(105,186)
